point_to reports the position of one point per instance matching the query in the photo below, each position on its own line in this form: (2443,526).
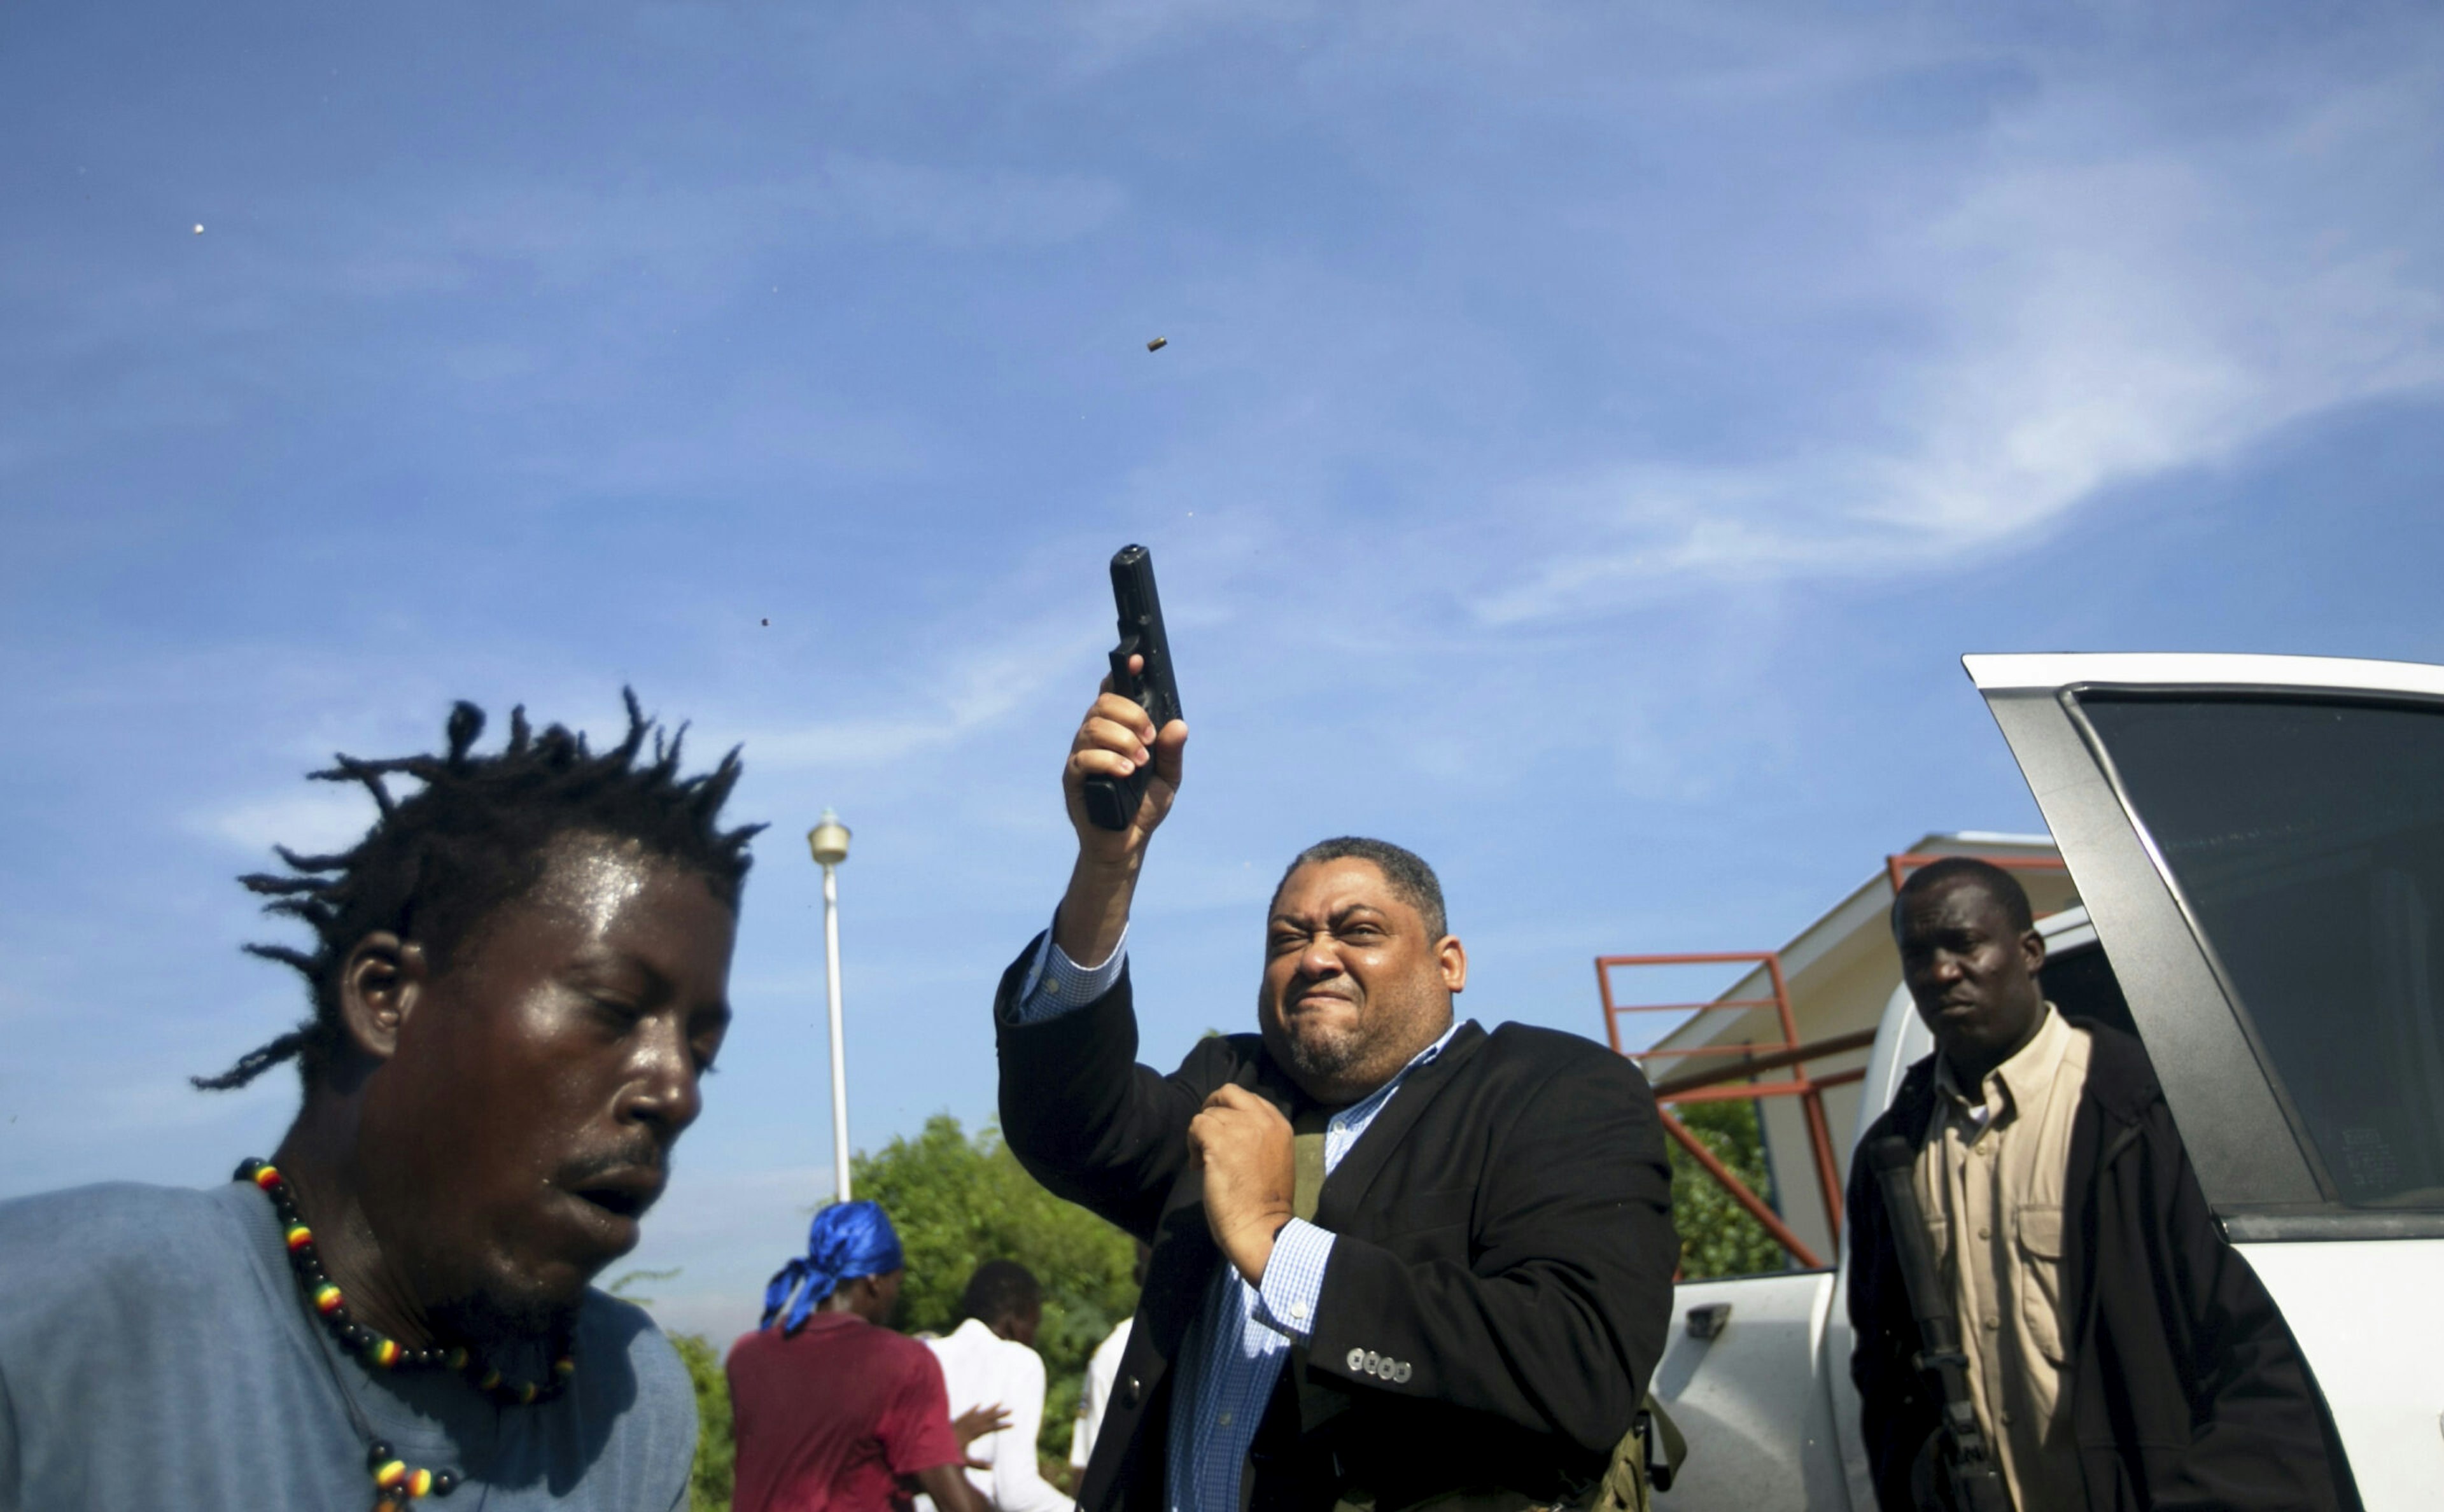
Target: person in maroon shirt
(834,1411)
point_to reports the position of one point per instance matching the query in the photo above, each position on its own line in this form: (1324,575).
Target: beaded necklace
(395,1483)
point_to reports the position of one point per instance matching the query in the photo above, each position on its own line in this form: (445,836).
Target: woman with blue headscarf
(834,1411)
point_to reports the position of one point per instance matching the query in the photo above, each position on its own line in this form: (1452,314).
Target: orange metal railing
(1732,1081)
(1784,1054)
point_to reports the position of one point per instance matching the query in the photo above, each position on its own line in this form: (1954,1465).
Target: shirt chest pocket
(2037,1259)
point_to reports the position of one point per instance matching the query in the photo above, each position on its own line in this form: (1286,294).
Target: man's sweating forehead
(1404,871)
(1961,899)
(593,874)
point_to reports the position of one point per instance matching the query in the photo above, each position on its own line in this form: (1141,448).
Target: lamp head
(829,840)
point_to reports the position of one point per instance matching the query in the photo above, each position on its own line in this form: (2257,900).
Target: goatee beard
(1327,1061)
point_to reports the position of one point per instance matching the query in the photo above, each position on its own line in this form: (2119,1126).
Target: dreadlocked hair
(438,862)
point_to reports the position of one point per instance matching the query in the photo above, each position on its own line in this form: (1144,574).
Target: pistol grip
(1112,802)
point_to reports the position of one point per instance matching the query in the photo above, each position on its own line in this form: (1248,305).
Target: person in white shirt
(990,1359)
(1102,1370)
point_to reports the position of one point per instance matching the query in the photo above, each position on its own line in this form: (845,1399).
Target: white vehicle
(2258,843)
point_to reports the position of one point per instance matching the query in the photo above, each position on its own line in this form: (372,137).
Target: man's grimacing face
(524,1122)
(1970,970)
(1353,985)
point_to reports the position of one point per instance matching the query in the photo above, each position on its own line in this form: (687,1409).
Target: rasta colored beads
(395,1482)
(397,1477)
(377,1351)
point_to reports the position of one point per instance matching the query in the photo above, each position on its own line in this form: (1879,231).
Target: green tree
(716,1448)
(960,1200)
(717,1441)
(1717,1235)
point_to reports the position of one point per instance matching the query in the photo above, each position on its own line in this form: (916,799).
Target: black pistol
(1112,802)
(1956,1470)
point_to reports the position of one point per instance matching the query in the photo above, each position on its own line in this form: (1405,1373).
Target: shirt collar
(974,1329)
(2027,1075)
(1365,1106)
(2031,1072)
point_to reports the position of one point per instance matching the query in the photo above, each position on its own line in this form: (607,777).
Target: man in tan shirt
(2121,1354)
(1991,1184)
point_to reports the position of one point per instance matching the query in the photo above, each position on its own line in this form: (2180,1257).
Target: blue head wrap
(846,1240)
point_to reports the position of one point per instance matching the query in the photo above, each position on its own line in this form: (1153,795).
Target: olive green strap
(1317,1403)
(1646,1461)
(1307,1151)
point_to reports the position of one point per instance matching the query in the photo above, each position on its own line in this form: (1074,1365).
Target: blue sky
(1589,437)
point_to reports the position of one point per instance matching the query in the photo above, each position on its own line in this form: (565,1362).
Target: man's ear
(1453,957)
(379,985)
(2032,946)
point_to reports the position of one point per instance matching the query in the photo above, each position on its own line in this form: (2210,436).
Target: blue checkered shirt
(1233,1358)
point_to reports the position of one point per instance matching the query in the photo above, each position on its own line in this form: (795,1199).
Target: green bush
(717,1449)
(1717,1235)
(958,1201)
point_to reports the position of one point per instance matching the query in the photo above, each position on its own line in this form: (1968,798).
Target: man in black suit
(1466,1311)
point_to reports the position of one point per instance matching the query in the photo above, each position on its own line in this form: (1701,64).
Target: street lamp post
(829,840)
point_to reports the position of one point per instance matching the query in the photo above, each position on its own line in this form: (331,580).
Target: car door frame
(2263,1180)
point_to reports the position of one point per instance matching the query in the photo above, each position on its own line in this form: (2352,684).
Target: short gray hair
(1412,879)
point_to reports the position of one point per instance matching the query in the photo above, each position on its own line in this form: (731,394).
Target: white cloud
(318,820)
(2095,319)
(966,695)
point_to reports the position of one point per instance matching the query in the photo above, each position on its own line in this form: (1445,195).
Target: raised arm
(1077,1109)
(1113,739)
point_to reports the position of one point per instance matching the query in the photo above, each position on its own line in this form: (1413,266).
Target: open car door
(2259,842)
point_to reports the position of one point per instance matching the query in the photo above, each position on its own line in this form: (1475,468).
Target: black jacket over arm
(2186,1388)
(1502,1227)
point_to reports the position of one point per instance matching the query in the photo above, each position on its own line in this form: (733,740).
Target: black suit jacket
(1504,1239)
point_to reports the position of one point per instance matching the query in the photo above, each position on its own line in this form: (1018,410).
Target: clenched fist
(1113,739)
(1242,1144)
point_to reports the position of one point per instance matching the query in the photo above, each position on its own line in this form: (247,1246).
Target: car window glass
(2080,981)
(2306,838)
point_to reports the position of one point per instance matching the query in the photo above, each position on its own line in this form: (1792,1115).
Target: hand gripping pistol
(1112,802)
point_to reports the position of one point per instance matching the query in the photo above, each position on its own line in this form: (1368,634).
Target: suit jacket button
(1358,1360)
(1130,1389)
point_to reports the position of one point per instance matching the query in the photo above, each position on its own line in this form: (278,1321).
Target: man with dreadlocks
(518,977)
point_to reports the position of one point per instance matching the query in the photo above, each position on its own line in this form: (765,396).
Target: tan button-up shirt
(1990,1183)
